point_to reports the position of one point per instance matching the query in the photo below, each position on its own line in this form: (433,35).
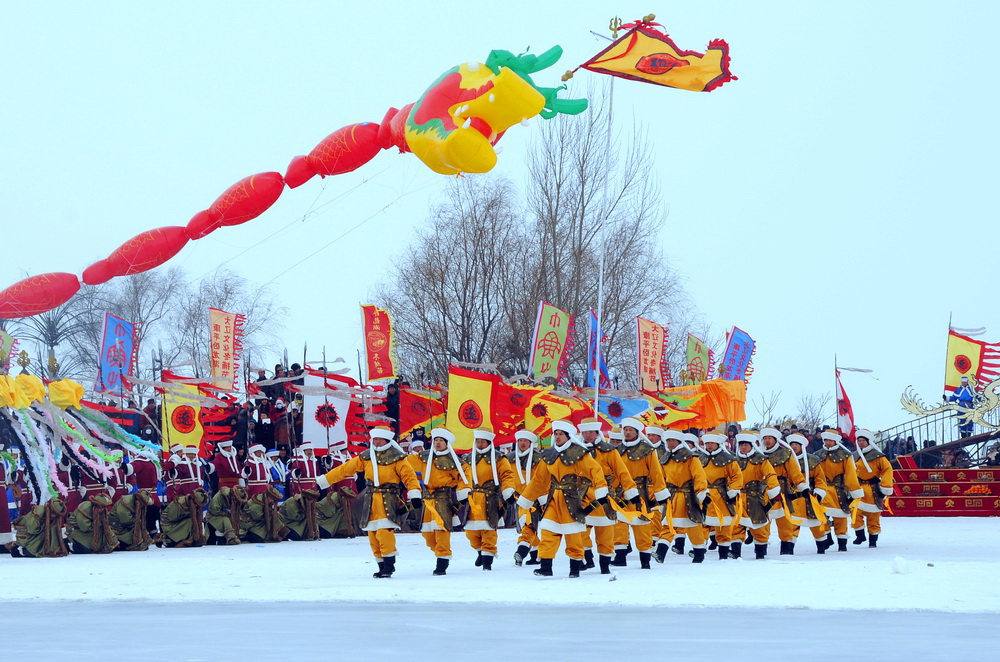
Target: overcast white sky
(833,200)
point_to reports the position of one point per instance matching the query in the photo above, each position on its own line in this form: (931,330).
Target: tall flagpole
(605,214)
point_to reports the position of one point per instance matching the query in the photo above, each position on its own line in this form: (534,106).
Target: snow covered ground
(945,565)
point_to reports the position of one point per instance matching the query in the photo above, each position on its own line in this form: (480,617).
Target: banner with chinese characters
(378,342)
(226,347)
(654,373)
(117,351)
(8,345)
(552,340)
(736,362)
(698,361)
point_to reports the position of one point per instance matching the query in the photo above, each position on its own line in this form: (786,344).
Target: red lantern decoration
(147,250)
(342,151)
(245,200)
(37,294)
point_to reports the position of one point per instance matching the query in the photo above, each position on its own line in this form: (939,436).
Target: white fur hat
(565,426)
(443,433)
(525,434)
(633,423)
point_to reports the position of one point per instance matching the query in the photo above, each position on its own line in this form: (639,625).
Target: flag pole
(605,213)
(947,340)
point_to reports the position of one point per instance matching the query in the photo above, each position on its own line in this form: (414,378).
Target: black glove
(591,507)
(417,503)
(704,506)
(512,500)
(636,501)
(360,481)
(323,491)
(660,502)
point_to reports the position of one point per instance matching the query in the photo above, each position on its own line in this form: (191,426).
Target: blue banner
(736,360)
(117,346)
(615,409)
(595,337)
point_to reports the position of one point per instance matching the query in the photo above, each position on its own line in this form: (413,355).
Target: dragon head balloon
(455,125)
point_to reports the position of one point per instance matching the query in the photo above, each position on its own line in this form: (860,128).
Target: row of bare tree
(490,253)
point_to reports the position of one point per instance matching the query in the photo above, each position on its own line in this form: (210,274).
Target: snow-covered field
(946,564)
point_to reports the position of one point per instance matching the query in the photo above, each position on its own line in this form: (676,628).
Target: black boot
(760,550)
(520,553)
(783,550)
(735,550)
(532,558)
(390,566)
(821,546)
(588,559)
(479,559)
(544,568)
(723,552)
(661,552)
(575,565)
(711,542)
(873,540)
(644,559)
(381,571)
(678,545)
(791,549)
(698,555)
(628,548)
(859,536)
(621,559)
(442,567)
(749,539)
(841,544)
(605,562)
(487,562)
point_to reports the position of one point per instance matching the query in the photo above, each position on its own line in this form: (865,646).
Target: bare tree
(766,406)
(813,410)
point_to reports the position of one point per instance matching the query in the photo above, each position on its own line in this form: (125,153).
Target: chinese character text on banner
(552,341)
(117,347)
(226,346)
(654,373)
(181,422)
(736,360)
(378,342)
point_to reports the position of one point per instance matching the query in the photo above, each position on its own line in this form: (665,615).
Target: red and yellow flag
(970,358)
(181,422)
(472,401)
(646,54)
(378,342)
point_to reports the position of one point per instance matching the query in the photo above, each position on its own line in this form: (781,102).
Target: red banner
(378,343)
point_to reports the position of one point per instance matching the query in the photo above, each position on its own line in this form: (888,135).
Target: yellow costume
(443,489)
(792,482)
(490,481)
(524,463)
(621,488)
(875,475)
(842,477)
(725,480)
(760,489)
(568,474)
(643,465)
(685,478)
(390,482)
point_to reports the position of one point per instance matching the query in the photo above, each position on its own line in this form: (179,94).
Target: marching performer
(875,475)
(644,467)
(842,476)
(807,508)
(567,474)
(657,527)
(443,489)
(791,480)
(225,465)
(685,479)
(524,459)
(389,480)
(724,481)
(490,482)
(757,496)
(621,488)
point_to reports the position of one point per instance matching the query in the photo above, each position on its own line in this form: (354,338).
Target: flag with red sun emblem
(325,418)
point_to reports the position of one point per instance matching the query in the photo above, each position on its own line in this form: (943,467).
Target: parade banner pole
(326,402)
(605,213)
